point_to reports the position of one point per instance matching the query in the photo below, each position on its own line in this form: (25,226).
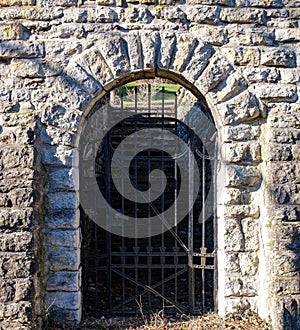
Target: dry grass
(158,321)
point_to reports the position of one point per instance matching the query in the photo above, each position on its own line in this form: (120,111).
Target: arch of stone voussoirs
(123,57)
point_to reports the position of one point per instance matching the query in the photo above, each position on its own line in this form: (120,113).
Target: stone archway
(123,57)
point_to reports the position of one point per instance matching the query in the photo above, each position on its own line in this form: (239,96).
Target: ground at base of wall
(247,321)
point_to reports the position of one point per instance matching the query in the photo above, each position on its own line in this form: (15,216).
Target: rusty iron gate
(173,271)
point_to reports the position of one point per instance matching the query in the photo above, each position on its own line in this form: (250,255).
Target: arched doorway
(170,266)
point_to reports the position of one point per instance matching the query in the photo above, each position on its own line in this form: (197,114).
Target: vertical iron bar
(163,201)
(123,259)
(96,252)
(149,249)
(190,232)
(175,204)
(108,235)
(215,224)
(203,222)
(136,258)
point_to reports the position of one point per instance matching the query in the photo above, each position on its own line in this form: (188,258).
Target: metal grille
(173,271)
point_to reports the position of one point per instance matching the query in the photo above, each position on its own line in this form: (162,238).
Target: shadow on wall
(291,307)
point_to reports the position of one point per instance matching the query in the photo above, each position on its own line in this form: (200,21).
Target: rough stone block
(236,286)
(7,289)
(17,119)
(244,55)
(259,3)
(114,50)
(60,3)
(209,2)
(216,72)
(7,3)
(16,265)
(237,196)
(240,305)
(57,136)
(60,179)
(296,152)
(26,68)
(150,42)
(241,263)
(242,211)
(168,41)
(242,152)
(289,136)
(16,242)
(287,35)
(14,31)
(232,86)
(233,236)
(68,93)
(279,152)
(21,311)
(283,172)
(56,219)
(292,3)
(242,15)
(285,213)
(61,200)
(68,30)
(21,49)
(289,76)
(95,65)
(248,176)
(288,237)
(252,37)
(215,35)
(63,281)
(287,263)
(81,77)
(203,14)
(57,155)
(291,118)
(242,132)
(15,218)
(279,57)
(105,2)
(276,92)
(170,13)
(195,67)
(31,14)
(70,316)
(250,228)
(186,45)
(76,15)
(63,299)
(24,289)
(243,107)
(261,75)
(62,258)
(280,195)
(62,237)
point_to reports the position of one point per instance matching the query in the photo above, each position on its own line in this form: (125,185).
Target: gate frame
(203,105)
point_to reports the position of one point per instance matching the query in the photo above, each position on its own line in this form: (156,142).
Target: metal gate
(173,271)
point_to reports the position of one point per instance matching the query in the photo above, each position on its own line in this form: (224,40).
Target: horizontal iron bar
(154,254)
(205,255)
(139,266)
(204,266)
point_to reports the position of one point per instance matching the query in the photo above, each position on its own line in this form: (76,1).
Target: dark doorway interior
(173,271)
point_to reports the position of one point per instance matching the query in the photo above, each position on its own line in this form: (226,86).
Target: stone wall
(58,57)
